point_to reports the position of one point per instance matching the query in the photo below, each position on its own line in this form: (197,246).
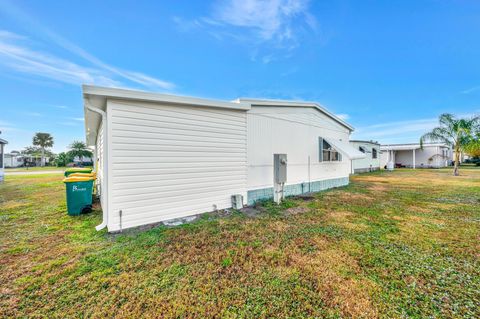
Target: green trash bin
(73,170)
(79,195)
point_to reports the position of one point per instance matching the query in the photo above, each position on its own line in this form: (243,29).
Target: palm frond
(436,135)
(447,119)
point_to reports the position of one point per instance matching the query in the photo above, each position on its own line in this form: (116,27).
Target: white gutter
(105,174)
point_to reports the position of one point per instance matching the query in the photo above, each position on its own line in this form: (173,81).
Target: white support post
(413,158)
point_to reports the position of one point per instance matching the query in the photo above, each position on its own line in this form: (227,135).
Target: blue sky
(387,67)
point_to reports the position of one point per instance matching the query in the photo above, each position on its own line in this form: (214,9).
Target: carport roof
(408,146)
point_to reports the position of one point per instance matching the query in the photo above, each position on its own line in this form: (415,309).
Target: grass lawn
(391,245)
(35,168)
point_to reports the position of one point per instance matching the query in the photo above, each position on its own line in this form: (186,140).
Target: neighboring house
(2,158)
(160,157)
(14,159)
(82,159)
(371,162)
(432,155)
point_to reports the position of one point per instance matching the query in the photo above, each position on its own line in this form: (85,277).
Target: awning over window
(346,149)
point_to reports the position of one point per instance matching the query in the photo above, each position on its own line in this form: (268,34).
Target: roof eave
(126,94)
(319,107)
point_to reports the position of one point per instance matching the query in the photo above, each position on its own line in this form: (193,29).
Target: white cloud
(400,131)
(270,29)
(102,74)
(471,90)
(268,19)
(21,57)
(6,127)
(395,130)
(16,53)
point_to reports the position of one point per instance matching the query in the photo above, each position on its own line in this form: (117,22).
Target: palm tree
(43,140)
(456,133)
(62,159)
(79,149)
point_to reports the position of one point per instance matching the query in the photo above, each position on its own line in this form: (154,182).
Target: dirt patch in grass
(296,210)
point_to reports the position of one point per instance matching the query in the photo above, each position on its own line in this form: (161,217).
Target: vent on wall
(237,201)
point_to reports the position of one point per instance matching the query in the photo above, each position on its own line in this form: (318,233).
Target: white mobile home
(14,159)
(432,155)
(160,157)
(371,162)
(2,158)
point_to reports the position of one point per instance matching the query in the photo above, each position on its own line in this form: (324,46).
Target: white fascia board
(365,142)
(125,94)
(2,141)
(260,102)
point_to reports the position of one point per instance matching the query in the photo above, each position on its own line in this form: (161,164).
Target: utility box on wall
(279,176)
(280,167)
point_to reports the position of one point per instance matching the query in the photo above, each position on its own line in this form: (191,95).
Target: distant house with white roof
(431,155)
(13,159)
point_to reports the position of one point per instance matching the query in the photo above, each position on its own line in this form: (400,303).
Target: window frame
(330,152)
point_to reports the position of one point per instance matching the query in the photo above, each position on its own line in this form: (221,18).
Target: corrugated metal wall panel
(173,161)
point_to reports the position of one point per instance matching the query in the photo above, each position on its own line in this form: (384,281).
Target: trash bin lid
(78,179)
(78,169)
(92,174)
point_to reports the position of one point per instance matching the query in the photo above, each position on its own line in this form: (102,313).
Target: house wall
(171,161)
(13,161)
(368,163)
(429,156)
(384,157)
(7,160)
(293,131)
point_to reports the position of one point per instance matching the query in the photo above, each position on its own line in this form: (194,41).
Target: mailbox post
(279,176)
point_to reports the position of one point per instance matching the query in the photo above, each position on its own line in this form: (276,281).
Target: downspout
(105,174)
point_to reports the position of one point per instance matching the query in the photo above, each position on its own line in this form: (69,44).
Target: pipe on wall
(105,174)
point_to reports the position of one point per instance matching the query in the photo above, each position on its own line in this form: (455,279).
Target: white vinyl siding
(293,131)
(99,148)
(171,161)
